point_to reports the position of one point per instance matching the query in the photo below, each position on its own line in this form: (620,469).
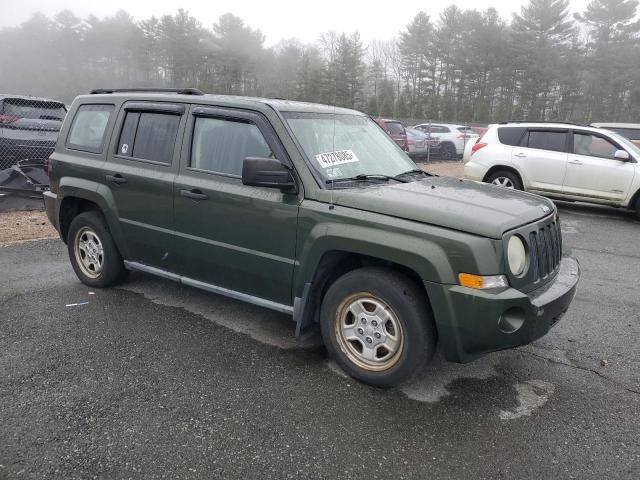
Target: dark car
(29,128)
(311,211)
(395,130)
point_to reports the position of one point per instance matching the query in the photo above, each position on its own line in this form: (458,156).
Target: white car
(453,138)
(559,160)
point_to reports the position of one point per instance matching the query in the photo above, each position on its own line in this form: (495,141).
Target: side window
(88,128)
(511,135)
(149,136)
(220,146)
(555,141)
(593,146)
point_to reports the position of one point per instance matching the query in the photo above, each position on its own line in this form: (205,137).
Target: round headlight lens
(516,255)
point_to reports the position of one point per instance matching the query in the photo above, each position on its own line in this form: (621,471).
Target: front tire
(637,212)
(93,253)
(377,325)
(506,179)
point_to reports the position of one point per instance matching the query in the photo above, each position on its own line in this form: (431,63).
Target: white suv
(560,160)
(453,138)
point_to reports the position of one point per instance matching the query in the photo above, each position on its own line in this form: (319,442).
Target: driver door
(229,235)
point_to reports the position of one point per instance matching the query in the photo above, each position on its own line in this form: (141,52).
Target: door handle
(575,162)
(520,155)
(117,178)
(194,194)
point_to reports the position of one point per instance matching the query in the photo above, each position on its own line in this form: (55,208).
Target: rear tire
(93,253)
(377,325)
(448,151)
(506,179)
(638,208)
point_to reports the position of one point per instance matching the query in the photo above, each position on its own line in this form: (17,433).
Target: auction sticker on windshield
(331,159)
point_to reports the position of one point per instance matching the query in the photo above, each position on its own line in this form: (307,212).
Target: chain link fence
(29,128)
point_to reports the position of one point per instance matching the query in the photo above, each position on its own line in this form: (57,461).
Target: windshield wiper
(364,177)
(415,171)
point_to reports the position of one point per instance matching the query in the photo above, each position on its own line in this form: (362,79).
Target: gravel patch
(16,227)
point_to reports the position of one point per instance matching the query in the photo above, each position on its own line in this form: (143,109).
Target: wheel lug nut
(377,334)
(369,340)
(360,331)
(374,323)
(363,320)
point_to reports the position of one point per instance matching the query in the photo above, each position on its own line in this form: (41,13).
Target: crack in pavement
(578,367)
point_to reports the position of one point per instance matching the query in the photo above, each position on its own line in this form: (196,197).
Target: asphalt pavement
(158,380)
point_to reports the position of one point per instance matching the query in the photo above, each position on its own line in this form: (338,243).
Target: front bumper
(474,322)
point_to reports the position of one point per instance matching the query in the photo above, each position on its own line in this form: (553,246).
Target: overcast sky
(278,19)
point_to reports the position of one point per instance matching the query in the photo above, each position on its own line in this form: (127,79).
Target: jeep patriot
(312,211)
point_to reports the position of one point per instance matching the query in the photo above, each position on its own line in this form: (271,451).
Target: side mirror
(621,155)
(267,172)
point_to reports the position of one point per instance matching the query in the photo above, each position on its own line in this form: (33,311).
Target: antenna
(333,149)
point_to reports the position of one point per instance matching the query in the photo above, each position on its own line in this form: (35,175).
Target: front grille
(545,249)
(543,241)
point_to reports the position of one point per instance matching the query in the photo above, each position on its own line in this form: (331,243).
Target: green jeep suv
(312,211)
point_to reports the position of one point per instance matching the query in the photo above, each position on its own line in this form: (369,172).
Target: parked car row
(441,140)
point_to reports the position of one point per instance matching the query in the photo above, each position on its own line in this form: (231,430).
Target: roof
(544,125)
(281,105)
(28,97)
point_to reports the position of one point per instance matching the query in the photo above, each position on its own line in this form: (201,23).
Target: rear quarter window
(511,135)
(89,127)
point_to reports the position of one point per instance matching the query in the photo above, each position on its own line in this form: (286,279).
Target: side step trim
(261,302)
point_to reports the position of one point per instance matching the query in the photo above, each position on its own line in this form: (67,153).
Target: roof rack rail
(543,121)
(181,91)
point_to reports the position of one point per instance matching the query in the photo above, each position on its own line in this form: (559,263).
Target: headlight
(516,255)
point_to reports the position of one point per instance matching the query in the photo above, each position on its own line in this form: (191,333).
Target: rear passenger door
(542,157)
(230,235)
(139,174)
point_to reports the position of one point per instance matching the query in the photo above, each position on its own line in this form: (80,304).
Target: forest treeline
(466,65)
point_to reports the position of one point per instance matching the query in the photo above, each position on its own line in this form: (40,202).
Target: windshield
(395,128)
(343,146)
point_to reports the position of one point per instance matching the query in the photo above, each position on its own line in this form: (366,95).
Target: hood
(449,202)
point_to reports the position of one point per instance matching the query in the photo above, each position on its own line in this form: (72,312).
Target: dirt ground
(16,227)
(448,168)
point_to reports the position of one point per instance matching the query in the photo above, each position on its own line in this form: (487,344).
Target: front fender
(435,254)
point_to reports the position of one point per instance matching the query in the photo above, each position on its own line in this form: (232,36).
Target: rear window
(395,128)
(149,136)
(510,135)
(630,133)
(34,109)
(555,141)
(89,126)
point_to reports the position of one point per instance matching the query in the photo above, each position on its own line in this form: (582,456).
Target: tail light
(7,119)
(477,147)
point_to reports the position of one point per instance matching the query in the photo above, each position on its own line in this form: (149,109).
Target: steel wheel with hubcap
(369,332)
(377,325)
(89,252)
(93,253)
